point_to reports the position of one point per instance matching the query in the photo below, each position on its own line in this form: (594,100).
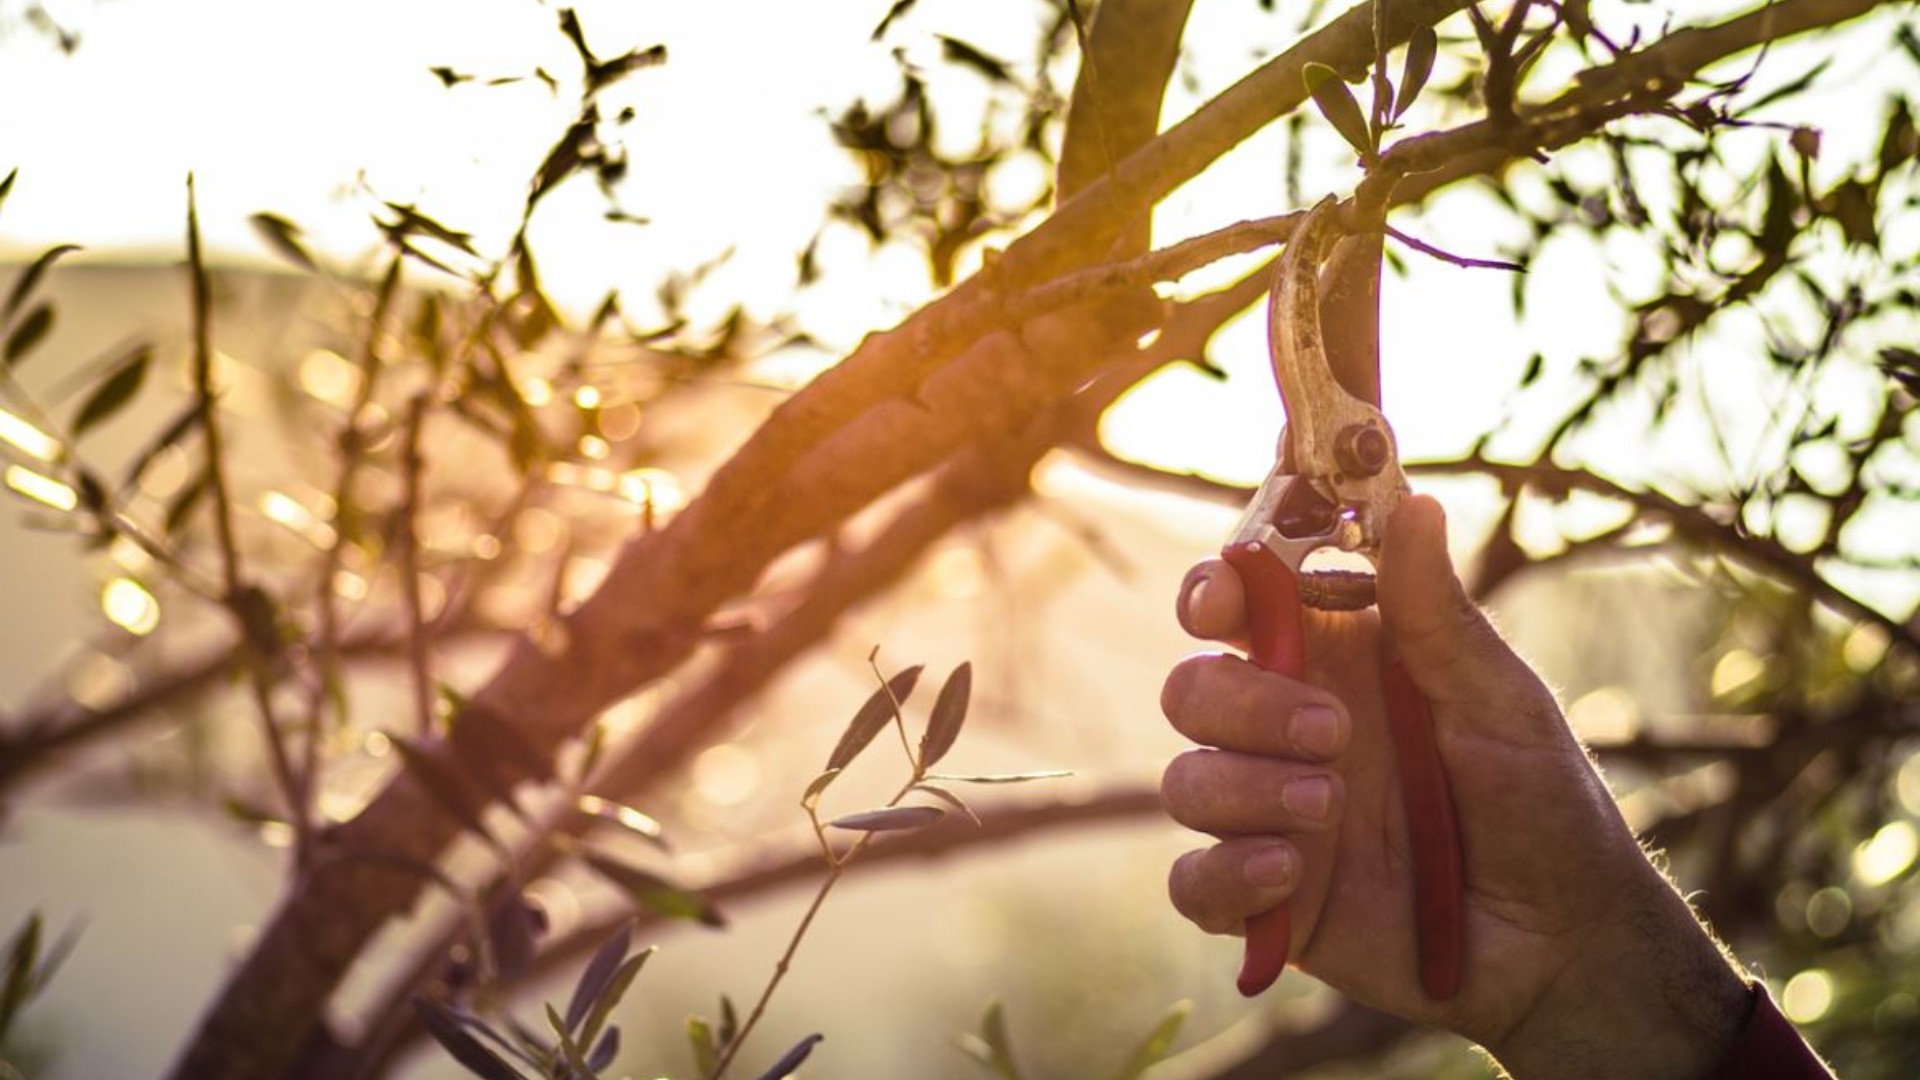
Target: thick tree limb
(903,401)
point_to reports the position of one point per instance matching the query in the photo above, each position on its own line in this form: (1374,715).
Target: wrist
(1649,995)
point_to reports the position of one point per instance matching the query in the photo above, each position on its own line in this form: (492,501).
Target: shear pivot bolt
(1362,451)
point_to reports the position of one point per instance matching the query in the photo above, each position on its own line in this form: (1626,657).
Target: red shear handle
(1277,642)
(1439,880)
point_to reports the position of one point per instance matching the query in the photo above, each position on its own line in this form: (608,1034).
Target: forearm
(1649,996)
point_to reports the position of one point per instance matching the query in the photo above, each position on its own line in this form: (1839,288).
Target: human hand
(1580,958)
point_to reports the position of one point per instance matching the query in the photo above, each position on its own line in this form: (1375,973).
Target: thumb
(1452,652)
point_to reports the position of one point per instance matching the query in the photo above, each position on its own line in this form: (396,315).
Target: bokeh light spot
(726,775)
(41,489)
(1807,996)
(1829,911)
(130,606)
(1887,855)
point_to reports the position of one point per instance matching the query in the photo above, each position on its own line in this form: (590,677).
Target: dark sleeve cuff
(1768,1048)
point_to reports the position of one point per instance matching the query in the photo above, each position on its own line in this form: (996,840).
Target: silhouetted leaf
(1157,1043)
(872,717)
(1903,366)
(1535,365)
(113,394)
(1899,143)
(811,797)
(446,1029)
(29,333)
(411,222)
(283,237)
(791,1060)
(1003,778)
(950,799)
(6,186)
(23,955)
(1337,104)
(1788,89)
(449,790)
(966,55)
(899,8)
(890,819)
(448,77)
(569,1050)
(598,974)
(1422,46)
(991,1047)
(1776,228)
(616,989)
(605,1050)
(30,277)
(178,428)
(607,73)
(949,712)
(184,502)
(654,892)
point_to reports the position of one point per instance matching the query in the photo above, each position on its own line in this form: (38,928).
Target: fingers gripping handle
(1277,642)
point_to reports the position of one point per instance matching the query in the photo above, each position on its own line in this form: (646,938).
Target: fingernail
(1310,799)
(1268,867)
(1196,591)
(1315,729)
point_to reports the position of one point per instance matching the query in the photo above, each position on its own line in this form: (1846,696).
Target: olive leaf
(706,1049)
(1337,104)
(949,712)
(447,1030)
(991,1048)
(654,892)
(1002,778)
(29,277)
(1157,1043)
(283,237)
(113,394)
(950,799)
(598,974)
(448,789)
(811,797)
(872,717)
(1422,46)
(29,333)
(791,1060)
(890,819)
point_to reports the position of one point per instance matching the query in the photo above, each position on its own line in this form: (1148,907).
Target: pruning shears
(1337,482)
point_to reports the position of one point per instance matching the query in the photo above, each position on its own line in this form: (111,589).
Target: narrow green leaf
(1002,778)
(184,502)
(791,1060)
(655,893)
(993,1031)
(1337,104)
(811,797)
(449,790)
(949,712)
(446,1030)
(177,429)
(643,825)
(873,717)
(115,393)
(283,237)
(706,1050)
(31,276)
(596,744)
(890,819)
(1157,1044)
(29,333)
(610,997)
(23,953)
(598,974)
(569,1051)
(950,799)
(606,1049)
(1422,46)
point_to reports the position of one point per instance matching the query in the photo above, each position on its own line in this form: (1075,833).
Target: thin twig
(411,468)
(244,602)
(1425,248)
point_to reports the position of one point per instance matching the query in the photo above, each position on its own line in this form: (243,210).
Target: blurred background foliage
(320,504)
